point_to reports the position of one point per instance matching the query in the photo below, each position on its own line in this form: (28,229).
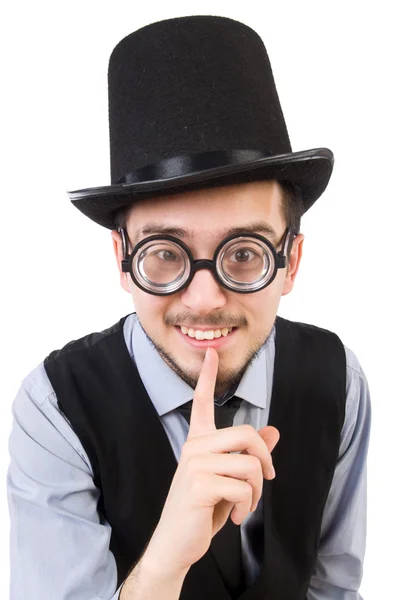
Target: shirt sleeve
(339,565)
(59,548)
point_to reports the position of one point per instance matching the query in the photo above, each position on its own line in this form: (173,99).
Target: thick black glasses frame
(280,259)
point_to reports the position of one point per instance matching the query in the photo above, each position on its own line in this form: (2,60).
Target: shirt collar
(168,391)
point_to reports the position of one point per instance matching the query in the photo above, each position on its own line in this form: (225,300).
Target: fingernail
(207,353)
(272,473)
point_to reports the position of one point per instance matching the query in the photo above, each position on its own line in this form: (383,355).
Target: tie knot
(224,414)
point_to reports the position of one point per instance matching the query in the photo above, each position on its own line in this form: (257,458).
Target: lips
(205,333)
(216,342)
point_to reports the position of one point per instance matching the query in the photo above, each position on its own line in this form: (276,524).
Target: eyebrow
(154,228)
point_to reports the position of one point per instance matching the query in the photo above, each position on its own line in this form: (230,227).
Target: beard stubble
(227,378)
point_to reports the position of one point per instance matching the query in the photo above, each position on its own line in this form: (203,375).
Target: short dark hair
(292,209)
(121,217)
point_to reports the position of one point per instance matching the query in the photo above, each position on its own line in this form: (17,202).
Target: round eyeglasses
(164,265)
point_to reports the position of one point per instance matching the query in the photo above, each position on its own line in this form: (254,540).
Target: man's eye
(243,255)
(167,255)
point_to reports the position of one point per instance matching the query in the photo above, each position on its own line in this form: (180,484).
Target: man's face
(206,216)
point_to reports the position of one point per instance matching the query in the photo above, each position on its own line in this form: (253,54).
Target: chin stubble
(227,378)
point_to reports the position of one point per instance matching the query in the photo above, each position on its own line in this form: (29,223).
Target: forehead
(211,213)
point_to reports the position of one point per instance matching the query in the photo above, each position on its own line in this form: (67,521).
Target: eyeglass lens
(162,262)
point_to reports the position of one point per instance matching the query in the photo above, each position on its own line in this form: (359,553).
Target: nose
(203,294)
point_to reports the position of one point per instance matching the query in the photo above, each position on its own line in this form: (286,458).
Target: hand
(210,484)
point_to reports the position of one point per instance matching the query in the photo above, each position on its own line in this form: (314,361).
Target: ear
(118,250)
(293,264)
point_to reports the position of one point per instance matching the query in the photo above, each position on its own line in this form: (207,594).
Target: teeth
(210,334)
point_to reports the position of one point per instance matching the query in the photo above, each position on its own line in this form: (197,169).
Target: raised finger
(202,418)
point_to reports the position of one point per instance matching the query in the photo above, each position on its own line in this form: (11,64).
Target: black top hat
(193,103)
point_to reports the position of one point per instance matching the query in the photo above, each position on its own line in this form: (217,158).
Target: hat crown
(191,85)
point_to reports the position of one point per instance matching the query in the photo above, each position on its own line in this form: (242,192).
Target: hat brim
(309,169)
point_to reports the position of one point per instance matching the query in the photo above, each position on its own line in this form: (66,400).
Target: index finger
(202,418)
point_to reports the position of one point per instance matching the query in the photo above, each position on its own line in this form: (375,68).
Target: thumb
(270,435)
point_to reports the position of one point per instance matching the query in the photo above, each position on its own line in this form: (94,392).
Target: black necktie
(226,544)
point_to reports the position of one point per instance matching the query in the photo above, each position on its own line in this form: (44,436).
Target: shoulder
(88,340)
(356,383)
(355,377)
(36,413)
(309,330)
(356,427)
(306,332)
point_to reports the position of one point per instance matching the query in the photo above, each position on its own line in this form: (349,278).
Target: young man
(201,447)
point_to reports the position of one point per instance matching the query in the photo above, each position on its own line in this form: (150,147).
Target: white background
(335,69)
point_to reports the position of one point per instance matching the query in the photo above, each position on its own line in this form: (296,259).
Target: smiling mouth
(207,334)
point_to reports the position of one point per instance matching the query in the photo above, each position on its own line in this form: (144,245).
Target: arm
(148,582)
(339,565)
(59,546)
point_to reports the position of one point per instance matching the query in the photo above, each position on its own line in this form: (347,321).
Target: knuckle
(188,450)
(192,464)
(248,430)
(253,464)
(198,486)
(199,396)
(247,493)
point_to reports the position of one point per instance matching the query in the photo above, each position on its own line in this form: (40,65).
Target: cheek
(263,305)
(149,308)
(277,285)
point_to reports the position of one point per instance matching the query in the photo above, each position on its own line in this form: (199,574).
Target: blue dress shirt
(59,544)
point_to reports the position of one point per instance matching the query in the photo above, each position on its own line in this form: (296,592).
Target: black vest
(99,390)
